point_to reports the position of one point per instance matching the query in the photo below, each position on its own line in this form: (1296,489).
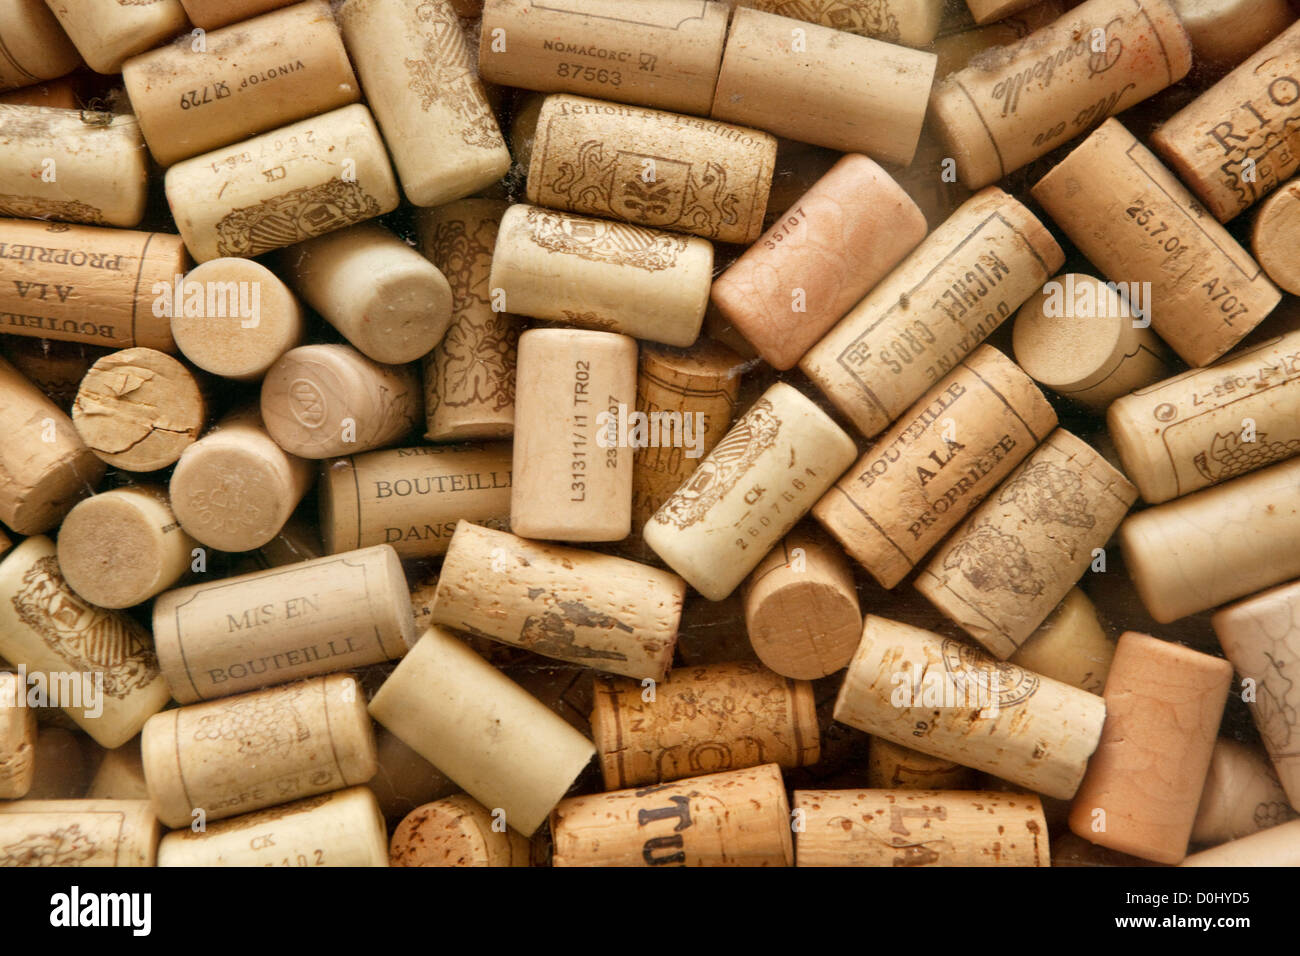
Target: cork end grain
(110,552)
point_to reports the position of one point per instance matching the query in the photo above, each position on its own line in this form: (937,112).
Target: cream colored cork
(120,775)
(17,739)
(1070,646)
(909,22)
(1276,846)
(106,32)
(62,93)
(986,11)
(65,833)
(1275,236)
(958,48)
(457,831)
(38,47)
(1242,795)
(211,14)
(892,766)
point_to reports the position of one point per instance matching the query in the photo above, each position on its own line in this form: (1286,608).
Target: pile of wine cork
(655,433)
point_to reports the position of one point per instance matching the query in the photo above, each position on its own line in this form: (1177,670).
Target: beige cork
(956,48)
(109,680)
(892,766)
(63,833)
(40,480)
(258,750)
(948,699)
(1242,795)
(210,14)
(418,71)
(120,775)
(344,828)
(801,606)
(962,282)
(268,627)
(321,401)
(1070,646)
(572,462)
(987,11)
(54,367)
(1275,236)
(592,609)
(909,22)
(63,93)
(120,548)
(107,32)
(819,259)
(823,86)
(412,498)
(1276,846)
(702,720)
(293,183)
(37,46)
(457,831)
(1133,219)
(138,409)
(17,739)
(598,274)
(1163,706)
(506,748)
(1225,32)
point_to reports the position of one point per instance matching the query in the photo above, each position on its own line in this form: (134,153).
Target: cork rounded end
(1275,237)
(351,731)
(404,314)
(961,130)
(806,630)
(111,552)
(336,493)
(158,754)
(307,395)
(1145,461)
(55,491)
(457,831)
(1061,346)
(231,498)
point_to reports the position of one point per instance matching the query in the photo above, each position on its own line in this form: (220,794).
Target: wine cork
(1238,140)
(593,609)
(269,627)
(78,833)
(405,780)
(139,409)
(40,480)
(17,739)
(920,828)
(948,699)
(909,22)
(72,165)
(210,14)
(1070,646)
(457,831)
(1276,235)
(1163,706)
(572,459)
(469,378)
(1016,557)
(823,86)
(1276,846)
(1204,293)
(344,828)
(819,259)
(5,543)
(801,607)
(956,46)
(412,498)
(1216,545)
(293,183)
(941,302)
(385,298)
(120,775)
(121,547)
(36,45)
(418,71)
(702,720)
(507,749)
(258,750)
(986,11)
(892,766)
(1225,32)
(63,93)
(100,662)
(322,401)
(107,33)
(604,275)
(1242,795)
(86,284)
(54,367)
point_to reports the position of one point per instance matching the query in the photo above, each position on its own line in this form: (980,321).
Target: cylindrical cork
(1209,425)
(259,75)
(947,698)
(597,274)
(1239,139)
(120,775)
(412,498)
(281,187)
(702,720)
(1225,32)
(1022,101)
(662,170)
(210,14)
(254,630)
(418,71)
(258,750)
(1217,545)
(507,749)
(84,284)
(750,491)
(801,606)
(958,44)
(941,458)
(1079,338)
(457,831)
(469,379)
(920,828)
(593,609)
(892,766)
(909,22)
(72,165)
(1163,706)
(1140,226)
(17,739)
(1070,646)
(942,301)
(62,833)
(63,93)
(1242,795)
(819,259)
(344,828)
(986,11)
(120,548)
(573,436)
(108,677)
(738,818)
(1016,557)
(45,467)
(823,86)
(36,45)
(105,34)
(1275,236)
(385,298)
(138,409)
(1276,846)
(322,401)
